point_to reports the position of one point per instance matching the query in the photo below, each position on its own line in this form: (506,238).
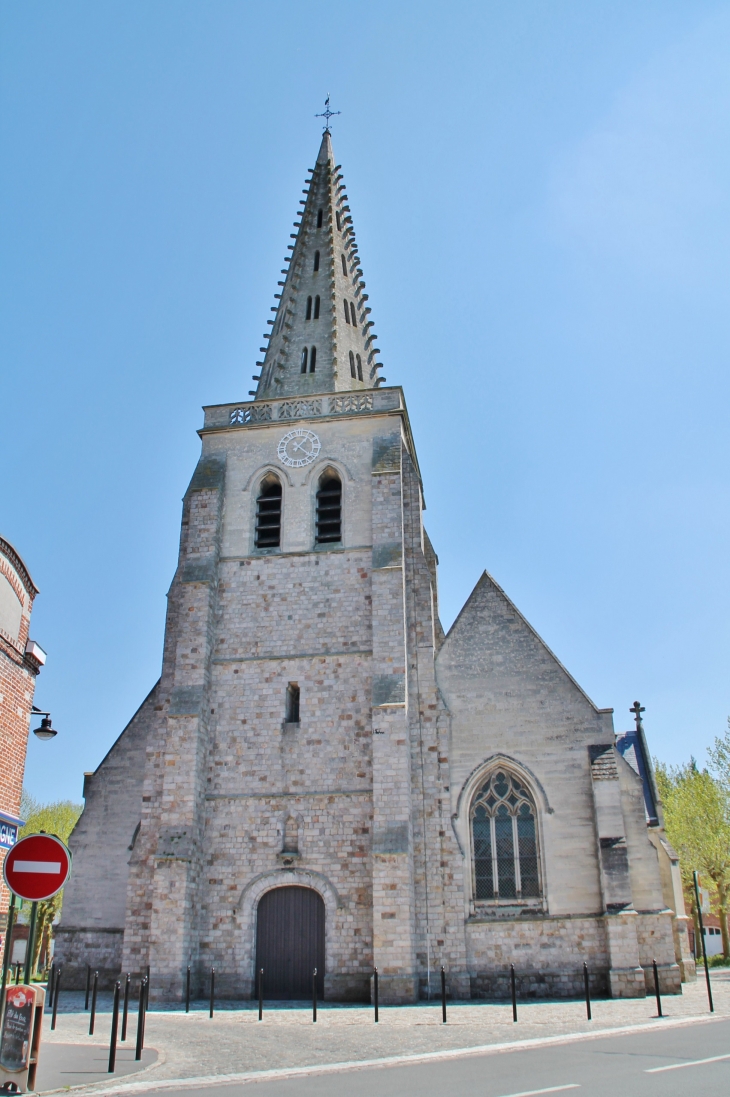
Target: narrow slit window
(312,359)
(339,220)
(316,308)
(344,265)
(319,218)
(329,510)
(316,261)
(292,703)
(268,514)
(347,312)
(352,365)
(309,309)
(305,355)
(353,317)
(359,368)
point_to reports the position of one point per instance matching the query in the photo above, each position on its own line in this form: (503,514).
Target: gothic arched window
(347,312)
(359,368)
(504,838)
(352,365)
(352,314)
(268,514)
(329,509)
(344,265)
(312,359)
(308,315)
(305,355)
(316,261)
(316,308)
(319,218)
(339,220)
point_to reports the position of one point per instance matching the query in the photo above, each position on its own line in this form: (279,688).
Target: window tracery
(504,840)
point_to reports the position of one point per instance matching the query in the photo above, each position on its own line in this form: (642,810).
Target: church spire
(321,337)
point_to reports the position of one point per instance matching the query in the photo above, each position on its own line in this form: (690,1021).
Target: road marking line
(680,1066)
(52,868)
(550,1089)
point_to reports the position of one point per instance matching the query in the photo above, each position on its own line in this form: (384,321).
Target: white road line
(52,868)
(681,1066)
(550,1089)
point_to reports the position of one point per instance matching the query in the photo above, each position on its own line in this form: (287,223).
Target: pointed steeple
(321,337)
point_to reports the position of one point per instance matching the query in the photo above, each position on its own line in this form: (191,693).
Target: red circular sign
(37,867)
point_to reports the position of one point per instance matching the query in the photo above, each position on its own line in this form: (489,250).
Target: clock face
(298,447)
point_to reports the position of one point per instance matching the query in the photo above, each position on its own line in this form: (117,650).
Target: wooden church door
(290,942)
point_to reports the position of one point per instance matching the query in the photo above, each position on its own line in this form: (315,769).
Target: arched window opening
(319,218)
(316,308)
(352,315)
(316,261)
(291,835)
(353,372)
(305,355)
(504,840)
(312,359)
(344,265)
(329,509)
(268,514)
(347,312)
(359,368)
(309,309)
(339,220)
(291,714)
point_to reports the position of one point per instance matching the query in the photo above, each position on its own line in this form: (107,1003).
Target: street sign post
(36,868)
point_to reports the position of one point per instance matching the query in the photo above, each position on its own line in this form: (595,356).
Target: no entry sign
(37,867)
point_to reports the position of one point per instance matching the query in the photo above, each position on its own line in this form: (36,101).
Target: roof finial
(327,114)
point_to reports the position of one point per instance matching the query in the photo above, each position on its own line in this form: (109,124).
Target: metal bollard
(115,1029)
(443,995)
(314,996)
(212,990)
(94,988)
(140,1019)
(51,986)
(88,985)
(514,991)
(375,993)
(187,990)
(656,991)
(125,1011)
(261,994)
(587,986)
(56,988)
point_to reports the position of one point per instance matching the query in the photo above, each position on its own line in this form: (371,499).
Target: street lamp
(45,732)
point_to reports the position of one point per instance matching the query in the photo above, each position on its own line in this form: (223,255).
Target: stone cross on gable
(637,710)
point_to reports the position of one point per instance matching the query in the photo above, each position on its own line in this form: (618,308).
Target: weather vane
(327,114)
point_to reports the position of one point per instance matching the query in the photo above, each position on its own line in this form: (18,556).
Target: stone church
(321,778)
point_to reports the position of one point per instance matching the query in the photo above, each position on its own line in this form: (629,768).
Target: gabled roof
(487,584)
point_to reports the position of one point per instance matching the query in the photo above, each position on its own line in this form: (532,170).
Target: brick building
(321,777)
(20,661)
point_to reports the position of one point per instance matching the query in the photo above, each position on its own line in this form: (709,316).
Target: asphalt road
(645,1064)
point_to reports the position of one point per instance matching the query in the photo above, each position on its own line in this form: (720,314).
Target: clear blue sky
(541,192)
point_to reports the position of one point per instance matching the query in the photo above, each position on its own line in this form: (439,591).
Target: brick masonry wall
(17,686)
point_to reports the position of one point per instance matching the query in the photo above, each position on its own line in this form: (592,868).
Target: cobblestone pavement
(192,1045)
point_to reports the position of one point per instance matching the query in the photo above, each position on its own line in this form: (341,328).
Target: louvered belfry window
(268,515)
(329,510)
(504,839)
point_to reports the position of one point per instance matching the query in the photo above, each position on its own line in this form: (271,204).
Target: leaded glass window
(504,840)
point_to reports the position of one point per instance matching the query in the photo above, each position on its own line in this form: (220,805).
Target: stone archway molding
(288,877)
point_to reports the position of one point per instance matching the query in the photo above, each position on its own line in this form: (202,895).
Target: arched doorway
(290,942)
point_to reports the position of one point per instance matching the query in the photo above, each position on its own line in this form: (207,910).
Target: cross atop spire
(327,114)
(320,336)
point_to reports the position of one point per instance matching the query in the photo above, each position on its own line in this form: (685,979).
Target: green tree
(58,818)
(697,822)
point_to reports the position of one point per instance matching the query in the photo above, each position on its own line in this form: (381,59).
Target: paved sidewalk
(192,1046)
